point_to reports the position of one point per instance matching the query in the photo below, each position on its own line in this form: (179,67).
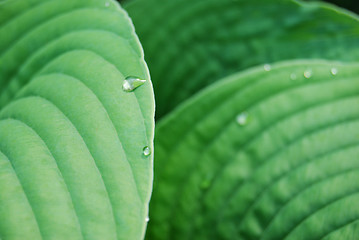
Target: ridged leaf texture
(190,44)
(71,140)
(262,155)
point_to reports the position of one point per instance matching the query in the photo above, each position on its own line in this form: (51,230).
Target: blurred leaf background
(348,4)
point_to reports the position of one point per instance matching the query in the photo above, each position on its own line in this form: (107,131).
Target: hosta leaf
(71,139)
(192,43)
(262,155)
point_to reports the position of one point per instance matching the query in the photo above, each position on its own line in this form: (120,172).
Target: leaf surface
(71,140)
(190,44)
(262,155)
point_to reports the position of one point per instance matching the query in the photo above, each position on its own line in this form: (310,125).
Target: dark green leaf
(192,43)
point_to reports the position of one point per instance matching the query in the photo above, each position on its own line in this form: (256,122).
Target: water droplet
(267,67)
(147,219)
(334,71)
(205,184)
(131,83)
(242,118)
(107,4)
(293,76)
(307,73)
(146,151)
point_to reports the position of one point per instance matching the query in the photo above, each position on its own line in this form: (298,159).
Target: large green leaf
(262,155)
(72,141)
(192,43)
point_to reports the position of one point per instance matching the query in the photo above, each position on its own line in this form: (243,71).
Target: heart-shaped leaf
(72,141)
(189,44)
(262,155)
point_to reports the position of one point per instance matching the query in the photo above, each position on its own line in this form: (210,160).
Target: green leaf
(190,44)
(71,139)
(262,155)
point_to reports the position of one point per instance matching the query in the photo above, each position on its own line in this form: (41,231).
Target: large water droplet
(131,83)
(146,151)
(334,71)
(147,219)
(242,118)
(293,76)
(267,67)
(307,73)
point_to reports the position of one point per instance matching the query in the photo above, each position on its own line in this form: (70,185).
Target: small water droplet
(307,73)
(205,184)
(146,151)
(242,118)
(293,76)
(107,4)
(267,67)
(147,219)
(131,83)
(334,71)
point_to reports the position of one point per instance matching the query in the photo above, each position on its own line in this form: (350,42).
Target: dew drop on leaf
(147,219)
(242,118)
(334,71)
(107,4)
(146,151)
(131,83)
(307,73)
(293,76)
(267,67)
(205,184)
